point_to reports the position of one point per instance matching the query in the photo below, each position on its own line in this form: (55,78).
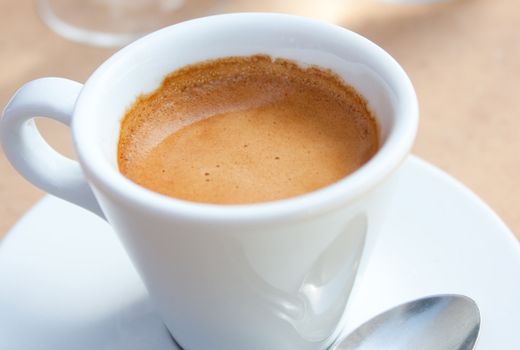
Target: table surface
(463,57)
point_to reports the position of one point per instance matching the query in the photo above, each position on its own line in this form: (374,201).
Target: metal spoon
(441,322)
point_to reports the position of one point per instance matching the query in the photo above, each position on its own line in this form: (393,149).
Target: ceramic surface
(66,282)
(288,265)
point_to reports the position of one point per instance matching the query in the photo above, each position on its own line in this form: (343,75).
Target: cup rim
(108,180)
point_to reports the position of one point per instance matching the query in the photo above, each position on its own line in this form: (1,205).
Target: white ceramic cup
(274,275)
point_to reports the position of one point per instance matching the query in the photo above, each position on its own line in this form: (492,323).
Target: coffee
(244,130)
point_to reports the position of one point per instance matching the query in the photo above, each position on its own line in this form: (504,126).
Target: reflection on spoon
(442,322)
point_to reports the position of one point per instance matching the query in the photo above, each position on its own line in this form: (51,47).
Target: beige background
(463,57)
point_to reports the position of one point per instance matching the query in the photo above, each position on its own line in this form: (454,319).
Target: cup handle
(28,152)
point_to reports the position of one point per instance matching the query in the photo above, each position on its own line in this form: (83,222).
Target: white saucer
(66,283)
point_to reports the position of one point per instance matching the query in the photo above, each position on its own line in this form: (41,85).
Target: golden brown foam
(244,130)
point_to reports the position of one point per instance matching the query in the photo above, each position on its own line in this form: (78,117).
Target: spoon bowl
(441,322)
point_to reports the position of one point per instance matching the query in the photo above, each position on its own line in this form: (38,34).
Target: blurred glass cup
(117,22)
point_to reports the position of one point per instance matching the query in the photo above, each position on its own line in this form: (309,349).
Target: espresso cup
(273,275)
